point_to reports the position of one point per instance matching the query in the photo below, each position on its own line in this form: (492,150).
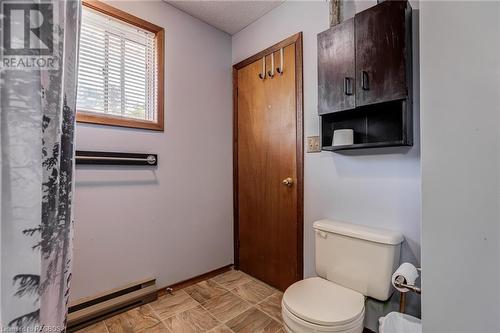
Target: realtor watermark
(35,328)
(29,36)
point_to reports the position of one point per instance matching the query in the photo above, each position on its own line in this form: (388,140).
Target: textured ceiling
(228,16)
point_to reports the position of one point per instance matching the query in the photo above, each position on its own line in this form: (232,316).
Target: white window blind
(117,73)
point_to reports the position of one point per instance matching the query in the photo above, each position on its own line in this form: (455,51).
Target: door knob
(288,182)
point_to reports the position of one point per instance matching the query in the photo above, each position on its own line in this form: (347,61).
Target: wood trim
(101,119)
(121,15)
(194,280)
(299,107)
(297,40)
(284,43)
(235,171)
(160,102)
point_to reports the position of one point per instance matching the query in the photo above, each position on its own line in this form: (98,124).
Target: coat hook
(262,75)
(280,69)
(271,72)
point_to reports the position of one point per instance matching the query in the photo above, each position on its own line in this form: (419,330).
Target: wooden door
(381,53)
(336,68)
(268,151)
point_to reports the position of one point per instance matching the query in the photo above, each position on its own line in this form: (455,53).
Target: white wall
(460,89)
(381,188)
(174,222)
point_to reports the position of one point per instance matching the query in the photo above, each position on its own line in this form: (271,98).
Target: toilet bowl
(352,262)
(319,305)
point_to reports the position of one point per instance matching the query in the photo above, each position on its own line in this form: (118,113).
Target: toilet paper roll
(410,274)
(343,137)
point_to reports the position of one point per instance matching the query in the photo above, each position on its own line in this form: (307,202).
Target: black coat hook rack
(85,157)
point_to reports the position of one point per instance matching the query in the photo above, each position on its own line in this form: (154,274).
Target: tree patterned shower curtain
(37,123)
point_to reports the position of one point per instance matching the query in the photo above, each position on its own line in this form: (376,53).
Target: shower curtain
(37,120)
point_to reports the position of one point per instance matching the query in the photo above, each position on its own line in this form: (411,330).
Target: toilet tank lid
(372,234)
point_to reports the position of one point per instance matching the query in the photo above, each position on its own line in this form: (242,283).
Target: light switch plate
(313,144)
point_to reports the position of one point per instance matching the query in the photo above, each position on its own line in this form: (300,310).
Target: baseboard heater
(90,310)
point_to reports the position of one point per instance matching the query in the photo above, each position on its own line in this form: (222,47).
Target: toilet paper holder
(401,283)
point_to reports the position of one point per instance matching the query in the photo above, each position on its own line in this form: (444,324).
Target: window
(120,75)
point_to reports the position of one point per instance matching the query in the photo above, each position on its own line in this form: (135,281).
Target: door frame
(299,106)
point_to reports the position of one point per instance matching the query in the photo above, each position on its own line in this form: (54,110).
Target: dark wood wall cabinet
(365,78)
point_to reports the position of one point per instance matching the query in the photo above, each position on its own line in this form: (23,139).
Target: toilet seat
(319,305)
(294,324)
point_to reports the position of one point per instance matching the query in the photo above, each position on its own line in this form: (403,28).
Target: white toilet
(352,262)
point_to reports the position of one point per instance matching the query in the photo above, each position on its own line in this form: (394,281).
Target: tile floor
(232,302)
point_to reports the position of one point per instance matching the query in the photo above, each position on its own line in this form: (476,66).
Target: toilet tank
(357,257)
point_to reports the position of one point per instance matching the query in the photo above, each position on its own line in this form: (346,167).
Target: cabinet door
(381,53)
(336,70)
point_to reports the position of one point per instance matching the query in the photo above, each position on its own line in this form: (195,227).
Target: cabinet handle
(347,86)
(364,80)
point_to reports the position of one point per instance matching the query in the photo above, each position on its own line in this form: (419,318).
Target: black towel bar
(112,158)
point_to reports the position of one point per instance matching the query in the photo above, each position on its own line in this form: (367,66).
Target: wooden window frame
(104,119)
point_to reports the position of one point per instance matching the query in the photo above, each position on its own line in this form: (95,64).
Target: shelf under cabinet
(366,145)
(383,125)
